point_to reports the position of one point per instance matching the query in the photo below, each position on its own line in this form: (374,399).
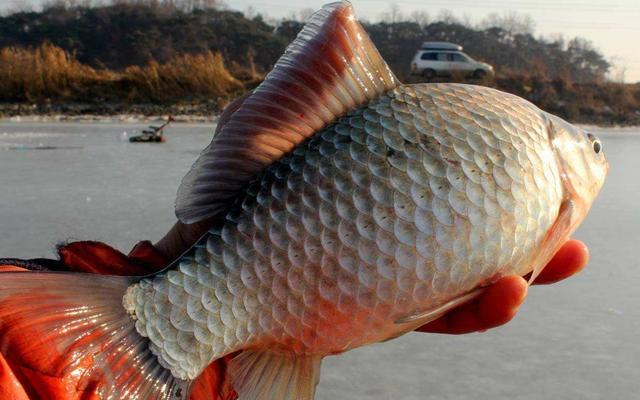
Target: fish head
(581,161)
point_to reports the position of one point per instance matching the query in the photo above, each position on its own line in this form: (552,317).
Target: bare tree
(292,16)
(185,5)
(447,17)
(466,20)
(558,39)
(420,17)
(190,5)
(587,62)
(19,6)
(619,73)
(511,22)
(393,15)
(48,4)
(250,12)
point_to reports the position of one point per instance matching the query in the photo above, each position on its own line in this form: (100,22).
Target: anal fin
(268,375)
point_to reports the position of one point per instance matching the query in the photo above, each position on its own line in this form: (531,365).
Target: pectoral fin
(557,235)
(422,317)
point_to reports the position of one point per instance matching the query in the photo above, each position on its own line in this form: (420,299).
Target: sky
(613,26)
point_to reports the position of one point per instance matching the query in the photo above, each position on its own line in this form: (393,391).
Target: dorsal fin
(331,68)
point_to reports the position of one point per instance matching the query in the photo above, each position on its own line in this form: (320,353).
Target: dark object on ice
(147,138)
(153,134)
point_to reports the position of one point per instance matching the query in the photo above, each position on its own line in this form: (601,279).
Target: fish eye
(595,143)
(597,146)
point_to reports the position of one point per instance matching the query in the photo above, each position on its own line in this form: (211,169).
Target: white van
(444,59)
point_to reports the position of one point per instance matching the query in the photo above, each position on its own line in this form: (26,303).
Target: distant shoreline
(196,112)
(200,119)
(109,112)
(96,118)
(133,118)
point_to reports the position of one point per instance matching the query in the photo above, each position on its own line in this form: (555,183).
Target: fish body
(351,209)
(419,197)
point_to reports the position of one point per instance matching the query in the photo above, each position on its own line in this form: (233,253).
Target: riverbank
(51,84)
(202,113)
(206,112)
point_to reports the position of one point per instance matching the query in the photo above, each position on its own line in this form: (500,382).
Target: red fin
(145,253)
(75,325)
(331,68)
(99,258)
(9,387)
(214,383)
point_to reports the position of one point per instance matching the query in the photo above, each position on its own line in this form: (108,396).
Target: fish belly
(402,205)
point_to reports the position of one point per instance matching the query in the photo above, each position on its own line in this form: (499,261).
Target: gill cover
(581,162)
(331,68)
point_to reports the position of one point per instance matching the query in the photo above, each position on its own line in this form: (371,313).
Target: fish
(348,209)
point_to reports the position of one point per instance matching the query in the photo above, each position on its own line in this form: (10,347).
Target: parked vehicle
(445,59)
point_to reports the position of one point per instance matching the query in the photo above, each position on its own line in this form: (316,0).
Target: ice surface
(575,340)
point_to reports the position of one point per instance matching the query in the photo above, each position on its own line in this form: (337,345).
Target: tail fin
(75,325)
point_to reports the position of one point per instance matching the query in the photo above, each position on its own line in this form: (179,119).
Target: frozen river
(579,339)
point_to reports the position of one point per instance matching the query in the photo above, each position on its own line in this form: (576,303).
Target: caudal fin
(75,325)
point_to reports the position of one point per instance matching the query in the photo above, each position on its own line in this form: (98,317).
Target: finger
(569,260)
(496,306)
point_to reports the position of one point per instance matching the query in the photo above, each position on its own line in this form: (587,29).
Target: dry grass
(185,77)
(48,73)
(44,72)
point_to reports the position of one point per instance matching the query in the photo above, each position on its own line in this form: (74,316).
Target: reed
(48,73)
(186,77)
(43,73)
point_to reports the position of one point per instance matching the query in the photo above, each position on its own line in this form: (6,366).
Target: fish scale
(384,212)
